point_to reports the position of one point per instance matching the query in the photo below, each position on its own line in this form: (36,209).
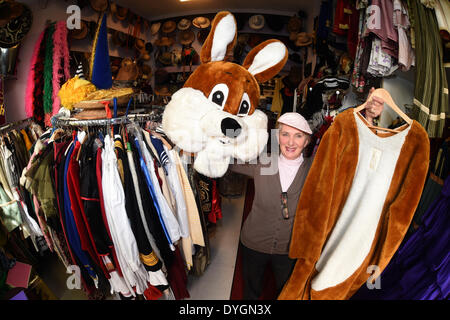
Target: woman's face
(292,141)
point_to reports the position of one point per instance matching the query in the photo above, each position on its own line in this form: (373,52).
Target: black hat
(275,22)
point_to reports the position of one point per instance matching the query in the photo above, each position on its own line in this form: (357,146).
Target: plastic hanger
(386,96)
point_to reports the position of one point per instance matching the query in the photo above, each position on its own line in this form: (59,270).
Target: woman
(266,233)
(267,230)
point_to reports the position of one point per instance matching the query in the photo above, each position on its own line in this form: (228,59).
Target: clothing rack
(70,122)
(16,125)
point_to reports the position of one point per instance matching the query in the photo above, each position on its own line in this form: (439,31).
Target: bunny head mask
(214,115)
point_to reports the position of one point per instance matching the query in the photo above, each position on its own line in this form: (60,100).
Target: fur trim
(29,98)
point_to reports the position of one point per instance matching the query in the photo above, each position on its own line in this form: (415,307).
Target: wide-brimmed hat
(128,70)
(79,33)
(16,29)
(164,42)
(162,90)
(155,28)
(201,22)
(168,26)
(303,39)
(99,5)
(145,55)
(165,58)
(139,44)
(183,24)
(256,22)
(186,37)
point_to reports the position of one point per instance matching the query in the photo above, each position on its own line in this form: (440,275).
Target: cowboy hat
(168,26)
(99,5)
(165,58)
(16,29)
(164,42)
(303,39)
(162,90)
(145,55)
(139,44)
(201,22)
(184,24)
(186,37)
(155,28)
(256,22)
(79,33)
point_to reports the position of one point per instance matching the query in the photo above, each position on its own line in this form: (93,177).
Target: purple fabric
(420,269)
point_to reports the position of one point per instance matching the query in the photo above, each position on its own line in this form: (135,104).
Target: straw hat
(168,26)
(155,28)
(186,37)
(164,42)
(184,24)
(201,22)
(303,39)
(165,58)
(256,22)
(99,5)
(79,33)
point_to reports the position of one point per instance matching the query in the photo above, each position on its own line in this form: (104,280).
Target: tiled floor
(214,284)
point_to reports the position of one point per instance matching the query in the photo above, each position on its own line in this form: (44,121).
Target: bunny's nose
(230,127)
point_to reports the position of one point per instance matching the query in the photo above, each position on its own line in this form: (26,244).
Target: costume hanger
(386,96)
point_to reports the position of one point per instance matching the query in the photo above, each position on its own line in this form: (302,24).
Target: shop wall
(55,10)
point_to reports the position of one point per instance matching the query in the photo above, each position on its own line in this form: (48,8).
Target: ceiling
(156,10)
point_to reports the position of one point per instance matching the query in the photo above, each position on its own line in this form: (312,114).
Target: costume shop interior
(119,121)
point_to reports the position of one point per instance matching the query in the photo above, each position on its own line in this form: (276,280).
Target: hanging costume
(356,206)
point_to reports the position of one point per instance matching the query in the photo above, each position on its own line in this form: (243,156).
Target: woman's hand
(374,107)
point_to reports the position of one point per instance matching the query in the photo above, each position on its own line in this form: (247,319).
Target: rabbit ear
(221,38)
(266,59)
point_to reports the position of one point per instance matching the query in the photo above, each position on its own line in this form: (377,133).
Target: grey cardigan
(265,230)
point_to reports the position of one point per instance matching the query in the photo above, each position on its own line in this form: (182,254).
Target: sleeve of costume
(310,227)
(245,169)
(401,205)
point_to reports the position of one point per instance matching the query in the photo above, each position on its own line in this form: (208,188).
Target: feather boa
(29,97)
(61,62)
(48,73)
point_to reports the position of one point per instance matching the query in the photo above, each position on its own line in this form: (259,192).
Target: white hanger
(386,96)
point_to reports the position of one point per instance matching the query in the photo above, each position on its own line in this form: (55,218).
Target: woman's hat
(303,39)
(295,120)
(164,42)
(201,22)
(184,24)
(186,37)
(155,28)
(99,5)
(168,26)
(79,33)
(256,22)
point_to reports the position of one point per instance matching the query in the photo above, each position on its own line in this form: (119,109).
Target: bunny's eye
(219,94)
(244,107)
